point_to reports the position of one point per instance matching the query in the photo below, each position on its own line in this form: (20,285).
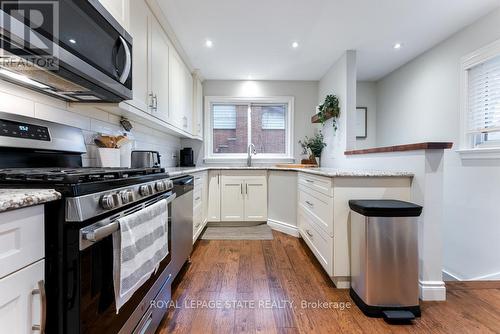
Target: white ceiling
(252,38)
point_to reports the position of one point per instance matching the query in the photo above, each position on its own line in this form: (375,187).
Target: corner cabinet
(197,107)
(181,93)
(243,197)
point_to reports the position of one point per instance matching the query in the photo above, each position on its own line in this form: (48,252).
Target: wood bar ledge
(402,148)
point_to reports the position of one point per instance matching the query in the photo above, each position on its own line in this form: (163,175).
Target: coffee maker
(187,157)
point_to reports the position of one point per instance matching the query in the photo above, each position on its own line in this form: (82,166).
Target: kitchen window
(481,103)
(235,123)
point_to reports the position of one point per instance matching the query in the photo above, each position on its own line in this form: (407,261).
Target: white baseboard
(489,277)
(447,276)
(283,227)
(432,290)
(454,277)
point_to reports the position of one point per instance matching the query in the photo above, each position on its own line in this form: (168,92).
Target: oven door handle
(106,227)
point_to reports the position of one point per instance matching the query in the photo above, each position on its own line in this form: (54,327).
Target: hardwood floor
(274,286)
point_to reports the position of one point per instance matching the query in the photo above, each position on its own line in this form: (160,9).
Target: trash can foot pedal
(396,316)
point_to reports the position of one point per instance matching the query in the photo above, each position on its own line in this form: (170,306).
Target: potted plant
(329,107)
(313,146)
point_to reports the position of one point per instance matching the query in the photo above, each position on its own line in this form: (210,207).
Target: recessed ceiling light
(209,43)
(72,41)
(397,46)
(295,45)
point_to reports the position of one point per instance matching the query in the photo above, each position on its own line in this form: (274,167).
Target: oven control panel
(23,130)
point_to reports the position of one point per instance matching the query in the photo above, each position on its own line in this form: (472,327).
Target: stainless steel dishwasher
(182,223)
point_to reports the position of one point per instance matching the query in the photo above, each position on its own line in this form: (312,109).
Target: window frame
(288,156)
(466,149)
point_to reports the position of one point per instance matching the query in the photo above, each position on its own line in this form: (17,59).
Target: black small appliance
(187,157)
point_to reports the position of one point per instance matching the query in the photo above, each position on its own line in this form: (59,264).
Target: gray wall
(366,96)
(420,102)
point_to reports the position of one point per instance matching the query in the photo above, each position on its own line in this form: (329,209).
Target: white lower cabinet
(22,291)
(243,197)
(200,203)
(22,296)
(232,199)
(214,196)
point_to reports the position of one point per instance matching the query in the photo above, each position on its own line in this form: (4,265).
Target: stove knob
(108,202)
(168,184)
(127,196)
(145,190)
(160,186)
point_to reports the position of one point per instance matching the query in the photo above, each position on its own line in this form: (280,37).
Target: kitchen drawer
(320,243)
(319,183)
(199,179)
(318,205)
(21,238)
(197,198)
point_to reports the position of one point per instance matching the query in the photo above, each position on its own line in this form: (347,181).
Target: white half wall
(427,166)
(420,102)
(341,81)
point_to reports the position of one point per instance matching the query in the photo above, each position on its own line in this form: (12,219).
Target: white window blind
(224,116)
(273,117)
(484,97)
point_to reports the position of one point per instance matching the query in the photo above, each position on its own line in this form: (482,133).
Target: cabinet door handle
(218,177)
(246,189)
(310,204)
(309,233)
(43,306)
(310,181)
(151,101)
(241,188)
(155,99)
(197,198)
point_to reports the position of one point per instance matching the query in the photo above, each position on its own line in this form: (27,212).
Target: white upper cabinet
(120,9)
(159,72)
(197,107)
(139,29)
(162,83)
(181,93)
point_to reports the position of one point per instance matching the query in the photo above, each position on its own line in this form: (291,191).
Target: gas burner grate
(72,176)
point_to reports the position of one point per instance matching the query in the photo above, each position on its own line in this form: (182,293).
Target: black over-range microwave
(70,49)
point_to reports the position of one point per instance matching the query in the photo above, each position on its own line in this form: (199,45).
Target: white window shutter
(484,97)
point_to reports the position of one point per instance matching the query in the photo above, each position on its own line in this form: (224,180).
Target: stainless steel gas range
(79,227)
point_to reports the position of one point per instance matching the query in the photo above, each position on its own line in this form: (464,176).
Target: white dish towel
(138,248)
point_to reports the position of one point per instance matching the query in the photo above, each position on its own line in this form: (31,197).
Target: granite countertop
(329,172)
(11,199)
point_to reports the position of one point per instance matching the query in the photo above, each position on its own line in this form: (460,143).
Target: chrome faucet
(251,150)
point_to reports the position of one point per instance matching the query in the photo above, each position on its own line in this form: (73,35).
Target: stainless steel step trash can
(384,258)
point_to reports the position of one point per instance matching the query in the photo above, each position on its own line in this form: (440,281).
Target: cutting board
(296,165)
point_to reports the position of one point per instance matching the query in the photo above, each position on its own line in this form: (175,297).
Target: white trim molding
(288,156)
(479,153)
(283,227)
(432,290)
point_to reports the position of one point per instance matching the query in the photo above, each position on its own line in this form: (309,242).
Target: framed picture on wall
(361,126)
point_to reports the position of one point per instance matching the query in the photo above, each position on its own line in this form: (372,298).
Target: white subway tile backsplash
(16,105)
(91,120)
(53,114)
